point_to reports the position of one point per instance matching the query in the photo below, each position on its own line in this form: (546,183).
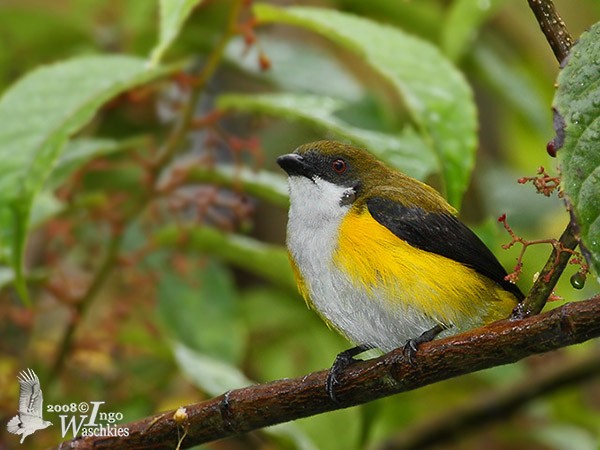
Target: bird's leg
(342,361)
(412,345)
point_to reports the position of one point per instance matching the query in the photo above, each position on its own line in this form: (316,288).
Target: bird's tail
(14,425)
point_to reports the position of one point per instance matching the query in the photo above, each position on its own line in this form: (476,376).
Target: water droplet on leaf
(578,280)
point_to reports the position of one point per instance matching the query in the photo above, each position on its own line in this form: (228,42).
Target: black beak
(293,164)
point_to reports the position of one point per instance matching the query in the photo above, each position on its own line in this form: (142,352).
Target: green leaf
(406,151)
(435,93)
(209,373)
(38,115)
(173,14)
(337,430)
(577,101)
(512,84)
(565,437)
(45,206)
(80,151)
(203,314)
(7,276)
(264,185)
(265,260)
(311,70)
(462,23)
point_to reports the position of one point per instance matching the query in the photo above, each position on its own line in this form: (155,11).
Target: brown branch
(553,27)
(494,406)
(243,410)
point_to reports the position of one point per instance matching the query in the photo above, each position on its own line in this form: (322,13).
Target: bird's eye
(339,165)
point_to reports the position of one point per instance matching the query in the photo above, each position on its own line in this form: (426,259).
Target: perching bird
(382,256)
(31,404)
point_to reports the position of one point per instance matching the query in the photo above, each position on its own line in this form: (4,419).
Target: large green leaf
(172,17)
(203,314)
(406,151)
(38,115)
(435,93)
(577,102)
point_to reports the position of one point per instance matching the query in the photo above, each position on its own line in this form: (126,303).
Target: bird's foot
(412,345)
(342,361)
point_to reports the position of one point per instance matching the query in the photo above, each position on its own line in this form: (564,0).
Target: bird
(31,404)
(382,257)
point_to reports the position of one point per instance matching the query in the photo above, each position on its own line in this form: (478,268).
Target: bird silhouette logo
(31,403)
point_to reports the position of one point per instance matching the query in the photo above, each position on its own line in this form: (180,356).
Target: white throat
(314,219)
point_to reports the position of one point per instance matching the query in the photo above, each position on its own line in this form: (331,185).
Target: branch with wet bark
(553,27)
(247,409)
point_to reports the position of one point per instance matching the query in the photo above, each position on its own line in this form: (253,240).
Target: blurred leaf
(45,206)
(268,261)
(172,17)
(264,185)
(216,377)
(565,437)
(203,314)
(31,35)
(512,84)
(441,106)
(291,434)
(38,114)
(311,70)
(577,101)
(7,276)
(462,23)
(209,373)
(407,151)
(79,152)
(421,17)
(336,430)
(291,340)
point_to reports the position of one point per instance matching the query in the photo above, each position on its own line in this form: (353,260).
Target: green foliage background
(158,239)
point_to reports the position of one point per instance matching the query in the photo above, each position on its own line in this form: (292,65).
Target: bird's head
(330,175)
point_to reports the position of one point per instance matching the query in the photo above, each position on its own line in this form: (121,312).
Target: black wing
(442,234)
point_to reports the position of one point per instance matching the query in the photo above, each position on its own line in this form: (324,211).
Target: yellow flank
(302,288)
(447,291)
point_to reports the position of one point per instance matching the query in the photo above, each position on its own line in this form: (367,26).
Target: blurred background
(195,295)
